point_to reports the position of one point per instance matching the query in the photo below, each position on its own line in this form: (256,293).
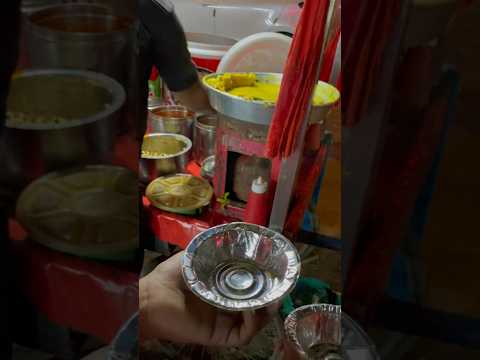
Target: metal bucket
(204,137)
(171,119)
(81,36)
(89,103)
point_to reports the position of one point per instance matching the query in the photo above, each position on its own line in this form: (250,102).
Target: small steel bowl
(316,331)
(153,166)
(240,266)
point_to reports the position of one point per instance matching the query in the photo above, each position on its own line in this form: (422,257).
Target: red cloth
(178,229)
(299,80)
(304,190)
(366,27)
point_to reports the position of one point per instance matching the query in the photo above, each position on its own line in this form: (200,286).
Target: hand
(289,351)
(169,311)
(194,98)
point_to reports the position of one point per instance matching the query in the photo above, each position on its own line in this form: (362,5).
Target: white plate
(263,52)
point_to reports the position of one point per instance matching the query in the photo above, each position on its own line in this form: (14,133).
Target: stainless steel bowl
(258,112)
(316,331)
(81,36)
(152,166)
(89,103)
(240,266)
(204,137)
(171,119)
(322,331)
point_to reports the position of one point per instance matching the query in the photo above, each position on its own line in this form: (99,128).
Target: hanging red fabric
(366,33)
(299,79)
(329,58)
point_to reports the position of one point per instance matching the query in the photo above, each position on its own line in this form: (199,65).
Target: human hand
(195,98)
(171,312)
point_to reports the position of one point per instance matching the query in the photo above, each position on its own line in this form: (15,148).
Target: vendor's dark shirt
(162,43)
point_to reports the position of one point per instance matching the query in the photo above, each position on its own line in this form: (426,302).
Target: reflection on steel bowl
(208,168)
(240,266)
(164,154)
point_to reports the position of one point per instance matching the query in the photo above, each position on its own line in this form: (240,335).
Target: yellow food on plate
(248,87)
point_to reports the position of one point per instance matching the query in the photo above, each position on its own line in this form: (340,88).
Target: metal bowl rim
(203,126)
(278,76)
(183,138)
(314,308)
(204,236)
(113,86)
(190,115)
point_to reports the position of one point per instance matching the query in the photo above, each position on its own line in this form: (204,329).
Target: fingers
(251,322)
(169,272)
(274,308)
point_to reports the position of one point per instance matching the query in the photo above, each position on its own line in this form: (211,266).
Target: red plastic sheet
(299,79)
(179,230)
(88,296)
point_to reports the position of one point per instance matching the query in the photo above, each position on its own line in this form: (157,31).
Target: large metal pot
(81,36)
(89,104)
(154,165)
(260,112)
(204,137)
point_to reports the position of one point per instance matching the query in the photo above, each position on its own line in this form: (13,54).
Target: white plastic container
(208,50)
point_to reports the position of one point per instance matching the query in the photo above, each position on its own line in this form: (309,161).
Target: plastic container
(208,50)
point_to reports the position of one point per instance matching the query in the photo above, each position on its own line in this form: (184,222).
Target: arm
(165,46)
